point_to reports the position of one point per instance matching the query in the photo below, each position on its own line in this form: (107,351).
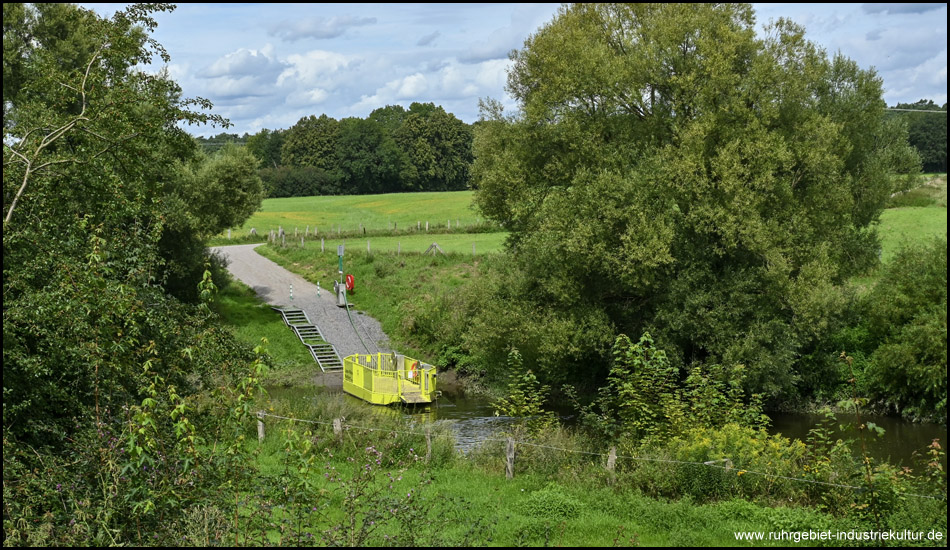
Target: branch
(50,138)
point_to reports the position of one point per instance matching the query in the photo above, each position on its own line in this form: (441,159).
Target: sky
(268,65)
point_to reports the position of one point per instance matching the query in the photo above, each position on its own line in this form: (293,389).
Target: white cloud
(314,67)
(317,27)
(313,96)
(245,62)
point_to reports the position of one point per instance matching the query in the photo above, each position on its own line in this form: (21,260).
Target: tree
(905,318)
(89,155)
(221,190)
(927,132)
(266,146)
(681,176)
(369,160)
(438,149)
(311,142)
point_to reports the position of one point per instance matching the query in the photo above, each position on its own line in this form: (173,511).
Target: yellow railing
(385,378)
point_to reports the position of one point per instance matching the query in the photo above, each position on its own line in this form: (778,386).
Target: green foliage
(525,398)
(644,399)
(204,184)
(550,503)
(437,147)
(906,318)
(266,146)
(311,142)
(297,181)
(671,171)
(392,150)
(927,132)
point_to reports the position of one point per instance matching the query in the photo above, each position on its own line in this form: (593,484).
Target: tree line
(927,132)
(393,150)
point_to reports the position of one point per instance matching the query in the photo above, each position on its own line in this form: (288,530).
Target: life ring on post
(412,370)
(350,282)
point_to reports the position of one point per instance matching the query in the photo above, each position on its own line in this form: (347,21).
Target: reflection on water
(472,419)
(897,446)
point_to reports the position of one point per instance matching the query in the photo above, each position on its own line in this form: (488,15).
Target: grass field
(457,243)
(374,212)
(900,226)
(250,319)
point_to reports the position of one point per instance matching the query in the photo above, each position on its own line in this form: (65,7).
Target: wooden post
(321,244)
(367,246)
(338,428)
(428,443)
(417,225)
(448,224)
(612,458)
(398,247)
(307,232)
(295,231)
(427,226)
(301,242)
(229,234)
(260,426)
(510,459)
(283,241)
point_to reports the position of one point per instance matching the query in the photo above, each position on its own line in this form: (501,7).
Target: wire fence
(721,464)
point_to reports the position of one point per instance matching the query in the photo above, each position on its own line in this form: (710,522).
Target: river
(473,420)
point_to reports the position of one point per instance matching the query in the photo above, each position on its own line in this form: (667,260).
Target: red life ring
(412,369)
(350,282)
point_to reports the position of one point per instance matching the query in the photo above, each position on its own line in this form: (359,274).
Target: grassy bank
(376,484)
(391,287)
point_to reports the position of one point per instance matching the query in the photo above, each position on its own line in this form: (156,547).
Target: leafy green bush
(907,321)
(550,503)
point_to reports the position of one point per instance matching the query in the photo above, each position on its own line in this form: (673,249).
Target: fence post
(260,426)
(338,428)
(428,443)
(321,244)
(229,234)
(398,247)
(510,459)
(367,246)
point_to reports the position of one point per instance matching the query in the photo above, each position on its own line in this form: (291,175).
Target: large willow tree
(671,170)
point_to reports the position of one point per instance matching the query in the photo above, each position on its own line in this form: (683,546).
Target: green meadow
(374,212)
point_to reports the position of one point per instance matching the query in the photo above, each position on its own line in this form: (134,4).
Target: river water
(473,421)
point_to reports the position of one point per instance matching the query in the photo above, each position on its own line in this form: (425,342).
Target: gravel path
(272,283)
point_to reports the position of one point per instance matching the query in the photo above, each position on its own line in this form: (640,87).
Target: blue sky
(268,65)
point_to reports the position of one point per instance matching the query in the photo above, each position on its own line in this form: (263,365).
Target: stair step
(310,335)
